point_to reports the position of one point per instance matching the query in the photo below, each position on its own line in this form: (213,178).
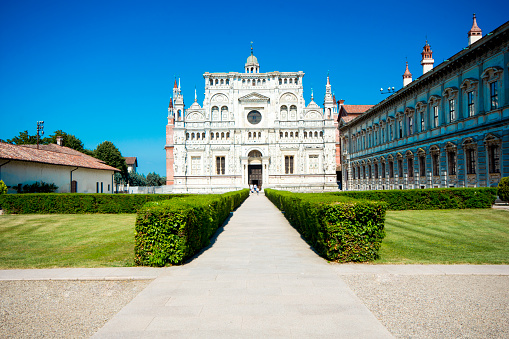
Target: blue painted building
(448,128)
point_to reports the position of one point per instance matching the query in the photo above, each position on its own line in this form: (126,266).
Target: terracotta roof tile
(131,160)
(51,154)
(356,108)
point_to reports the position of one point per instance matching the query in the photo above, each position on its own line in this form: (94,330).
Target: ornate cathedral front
(253,128)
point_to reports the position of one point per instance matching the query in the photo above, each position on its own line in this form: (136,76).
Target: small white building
(70,170)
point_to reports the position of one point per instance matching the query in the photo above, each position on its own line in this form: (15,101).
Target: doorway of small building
(255,175)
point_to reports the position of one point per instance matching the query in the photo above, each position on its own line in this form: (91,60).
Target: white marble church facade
(253,128)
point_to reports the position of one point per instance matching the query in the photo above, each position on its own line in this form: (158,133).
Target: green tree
(69,140)
(110,154)
(136,179)
(154,179)
(23,139)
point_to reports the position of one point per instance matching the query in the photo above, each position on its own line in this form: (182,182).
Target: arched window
(217,81)
(222,135)
(212,136)
(203,135)
(227,135)
(259,134)
(286,81)
(198,136)
(192,136)
(215,111)
(222,81)
(280,81)
(281,134)
(217,135)
(293,109)
(291,134)
(187,136)
(284,109)
(254,83)
(305,134)
(286,134)
(321,134)
(316,134)
(296,134)
(249,135)
(211,82)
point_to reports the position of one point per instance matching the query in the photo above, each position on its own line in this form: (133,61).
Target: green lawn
(475,236)
(66,240)
(472,236)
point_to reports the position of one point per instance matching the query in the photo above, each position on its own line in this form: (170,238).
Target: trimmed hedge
(429,199)
(77,203)
(169,232)
(503,189)
(339,228)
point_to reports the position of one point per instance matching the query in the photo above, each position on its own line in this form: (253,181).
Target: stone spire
(475,33)
(407,76)
(328,101)
(427,58)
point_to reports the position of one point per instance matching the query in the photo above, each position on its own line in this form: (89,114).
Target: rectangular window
(196,166)
(410,165)
(494,94)
(400,168)
(470,161)
(494,158)
(452,110)
(470,103)
(423,127)
(369,171)
(289,164)
(422,166)
(383,170)
(390,132)
(436,164)
(96,187)
(452,163)
(435,116)
(410,125)
(400,125)
(220,165)
(313,163)
(383,135)
(391,169)
(376,171)
(101,187)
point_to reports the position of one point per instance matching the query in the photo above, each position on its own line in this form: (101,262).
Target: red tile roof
(356,108)
(131,160)
(51,154)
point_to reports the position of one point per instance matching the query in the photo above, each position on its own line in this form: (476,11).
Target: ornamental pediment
(254,97)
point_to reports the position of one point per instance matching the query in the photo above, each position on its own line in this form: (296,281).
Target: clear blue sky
(104,70)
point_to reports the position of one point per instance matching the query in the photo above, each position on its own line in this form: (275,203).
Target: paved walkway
(258,279)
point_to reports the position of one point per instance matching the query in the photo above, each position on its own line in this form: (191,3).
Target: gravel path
(436,306)
(61,309)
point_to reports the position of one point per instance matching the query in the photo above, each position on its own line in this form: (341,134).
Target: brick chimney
(60,140)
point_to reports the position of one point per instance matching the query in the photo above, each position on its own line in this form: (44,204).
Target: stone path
(259,279)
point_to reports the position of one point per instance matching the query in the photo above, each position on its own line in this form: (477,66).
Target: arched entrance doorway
(254,168)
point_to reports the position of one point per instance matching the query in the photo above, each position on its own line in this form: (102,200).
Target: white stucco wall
(22,172)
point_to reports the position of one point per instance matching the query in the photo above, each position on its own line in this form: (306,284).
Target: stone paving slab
(259,279)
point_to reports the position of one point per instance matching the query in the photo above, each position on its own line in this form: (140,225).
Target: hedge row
(339,228)
(168,232)
(429,199)
(76,203)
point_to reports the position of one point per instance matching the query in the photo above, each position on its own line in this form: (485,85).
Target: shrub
(427,199)
(3,187)
(77,203)
(503,189)
(339,228)
(169,232)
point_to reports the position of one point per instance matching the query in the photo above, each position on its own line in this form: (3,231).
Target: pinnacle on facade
(427,58)
(475,32)
(407,76)
(175,86)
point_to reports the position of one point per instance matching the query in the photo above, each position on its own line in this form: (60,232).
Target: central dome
(251,60)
